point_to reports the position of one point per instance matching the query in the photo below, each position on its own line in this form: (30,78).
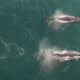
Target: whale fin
(58,13)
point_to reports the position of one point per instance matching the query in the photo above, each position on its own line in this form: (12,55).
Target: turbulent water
(23,27)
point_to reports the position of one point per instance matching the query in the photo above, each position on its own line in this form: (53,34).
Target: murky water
(23,25)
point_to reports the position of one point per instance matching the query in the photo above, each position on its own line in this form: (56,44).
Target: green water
(22,26)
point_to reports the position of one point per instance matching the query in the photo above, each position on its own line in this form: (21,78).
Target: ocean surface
(23,24)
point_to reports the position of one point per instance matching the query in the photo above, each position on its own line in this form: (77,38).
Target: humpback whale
(60,18)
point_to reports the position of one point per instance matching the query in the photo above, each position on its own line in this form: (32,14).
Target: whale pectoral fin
(58,12)
(57,25)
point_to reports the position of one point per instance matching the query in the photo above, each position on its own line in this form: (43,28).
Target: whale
(59,18)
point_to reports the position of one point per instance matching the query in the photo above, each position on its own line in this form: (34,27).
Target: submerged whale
(59,18)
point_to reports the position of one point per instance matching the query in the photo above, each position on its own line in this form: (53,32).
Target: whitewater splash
(50,58)
(59,18)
